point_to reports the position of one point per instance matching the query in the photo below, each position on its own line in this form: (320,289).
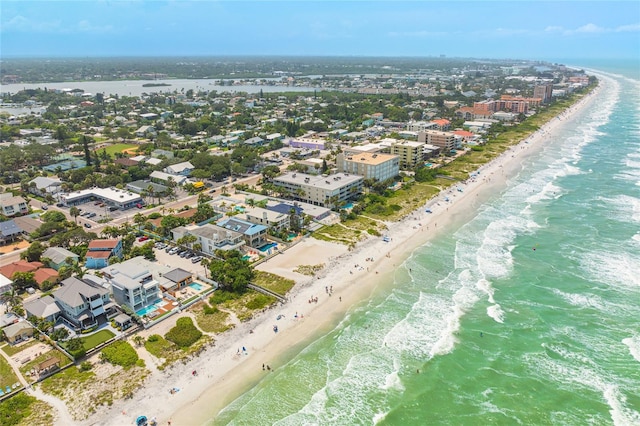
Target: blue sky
(491,29)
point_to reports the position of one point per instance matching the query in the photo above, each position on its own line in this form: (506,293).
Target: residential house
(274,220)
(211,237)
(133,284)
(40,272)
(157,153)
(18,332)
(254,235)
(158,176)
(11,205)
(254,141)
(5,284)
(45,308)
(181,169)
(100,251)
(143,131)
(44,186)
(59,256)
(83,304)
(9,231)
(27,224)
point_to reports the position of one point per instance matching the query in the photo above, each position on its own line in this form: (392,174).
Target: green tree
(231,271)
(34,252)
(23,280)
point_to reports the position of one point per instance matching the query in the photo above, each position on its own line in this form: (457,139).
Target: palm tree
(75,212)
(205,262)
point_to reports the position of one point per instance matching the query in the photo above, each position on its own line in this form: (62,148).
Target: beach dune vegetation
(120,353)
(184,334)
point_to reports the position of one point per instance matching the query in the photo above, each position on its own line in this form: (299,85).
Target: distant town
(120,213)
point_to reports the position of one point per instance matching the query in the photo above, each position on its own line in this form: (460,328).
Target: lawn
(90,342)
(116,148)
(243,305)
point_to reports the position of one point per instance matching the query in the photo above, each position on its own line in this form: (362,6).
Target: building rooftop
(329,183)
(112,194)
(369,158)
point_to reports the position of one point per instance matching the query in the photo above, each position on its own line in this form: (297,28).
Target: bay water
(529,313)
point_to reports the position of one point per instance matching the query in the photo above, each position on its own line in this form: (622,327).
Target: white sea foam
(616,269)
(392,381)
(486,287)
(581,300)
(567,375)
(633,343)
(628,207)
(496,312)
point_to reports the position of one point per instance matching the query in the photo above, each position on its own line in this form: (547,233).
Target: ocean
(529,313)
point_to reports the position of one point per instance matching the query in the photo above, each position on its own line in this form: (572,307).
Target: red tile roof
(103,244)
(19,266)
(45,274)
(102,254)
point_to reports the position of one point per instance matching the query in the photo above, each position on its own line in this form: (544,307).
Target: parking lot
(175,261)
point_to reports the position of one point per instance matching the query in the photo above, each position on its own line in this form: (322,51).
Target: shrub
(259,301)
(221,296)
(14,410)
(86,366)
(154,338)
(120,353)
(208,310)
(184,334)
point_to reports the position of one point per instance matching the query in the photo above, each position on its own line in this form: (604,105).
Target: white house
(181,169)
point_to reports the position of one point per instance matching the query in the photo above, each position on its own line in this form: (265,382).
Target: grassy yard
(7,376)
(116,148)
(90,342)
(274,282)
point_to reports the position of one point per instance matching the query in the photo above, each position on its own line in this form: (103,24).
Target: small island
(155,84)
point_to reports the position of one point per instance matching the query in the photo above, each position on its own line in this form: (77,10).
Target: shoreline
(223,372)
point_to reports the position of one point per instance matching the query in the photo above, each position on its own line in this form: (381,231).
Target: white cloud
(628,28)
(86,27)
(590,28)
(554,29)
(21,24)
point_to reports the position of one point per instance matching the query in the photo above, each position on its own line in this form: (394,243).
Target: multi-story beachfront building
(132,283)
(210,237)
(445,140)
(369,165)
(544,92)
(326,191)
(409,153)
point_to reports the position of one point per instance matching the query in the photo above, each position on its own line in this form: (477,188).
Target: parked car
(92,215)
(44,207)
(59,205)
(87,225)
(190,254)
(174,250)
(169,248)
(139,205)
(196,259)
(143,238)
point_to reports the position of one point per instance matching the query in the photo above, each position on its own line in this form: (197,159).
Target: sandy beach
(225,371)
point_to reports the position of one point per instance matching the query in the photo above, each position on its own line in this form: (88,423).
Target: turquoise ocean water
(501,334)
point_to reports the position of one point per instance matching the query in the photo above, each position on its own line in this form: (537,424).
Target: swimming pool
(196,286)
(146,310)
(267,247)
(347,206)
